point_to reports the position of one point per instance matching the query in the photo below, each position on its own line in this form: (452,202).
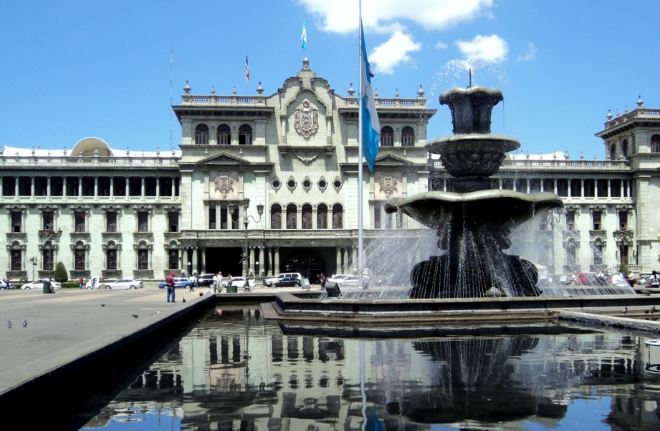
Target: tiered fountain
(473,222)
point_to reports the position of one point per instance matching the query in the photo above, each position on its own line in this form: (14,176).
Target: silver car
(123,284)
(39,285)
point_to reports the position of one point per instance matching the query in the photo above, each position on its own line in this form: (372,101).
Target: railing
(190,99)
(6,159)
(557,164)
(393,103)
(288,234)
(639,112)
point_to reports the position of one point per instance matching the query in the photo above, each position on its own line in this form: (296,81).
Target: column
(172,188)
(112,186)
(16,187)
(203,252)
(582,188)
(276,263)
(262,266)
(299,217)
(64,186)
(609,188)
(158,186)
(126,187)
(194,260)
(252,260)
(338,270)
(315,217)
(568,181)
(142,186)
(32,186)
(554,182)
(354,257)
(96,186)
(622,181)
(79,186)
(47,186)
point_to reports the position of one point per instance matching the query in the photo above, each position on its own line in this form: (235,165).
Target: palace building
(276,175)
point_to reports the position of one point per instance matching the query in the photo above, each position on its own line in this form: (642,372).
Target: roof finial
(260,89)
(186,88)
(640,102)
(351,90)
(469,77)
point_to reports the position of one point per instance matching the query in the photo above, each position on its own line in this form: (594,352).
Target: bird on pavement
(184,300)
(135,315)
(9,324)
(102,305)
(25,323)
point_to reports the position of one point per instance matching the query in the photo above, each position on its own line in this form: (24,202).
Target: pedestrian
(654,279)
(322,279)
(194,282)
(169,283)
(81,282)
(215,282)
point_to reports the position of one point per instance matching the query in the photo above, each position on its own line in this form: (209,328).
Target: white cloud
(393,52)
(483,50)
(341,16)
(530,54)
(441,45)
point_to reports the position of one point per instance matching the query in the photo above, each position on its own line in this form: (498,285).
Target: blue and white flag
(370,125)
(303,35)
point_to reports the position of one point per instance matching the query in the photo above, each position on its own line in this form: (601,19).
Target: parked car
(123,284)
(205,280)
(178,282)
(39,284)
(337,278)
(7,285)
(237,281)
(93,283)
(272,281)
(293,279)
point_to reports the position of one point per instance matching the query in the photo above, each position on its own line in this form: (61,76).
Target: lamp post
(246,217)
(33,261)
(50,234)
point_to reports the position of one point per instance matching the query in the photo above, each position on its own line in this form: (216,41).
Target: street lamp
(49,235)
(246,217)
(33,261)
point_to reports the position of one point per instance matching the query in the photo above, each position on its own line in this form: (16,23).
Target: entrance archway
(303,260)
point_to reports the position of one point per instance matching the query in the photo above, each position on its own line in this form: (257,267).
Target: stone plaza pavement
(41,332)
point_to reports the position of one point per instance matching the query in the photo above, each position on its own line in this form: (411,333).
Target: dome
(91,147)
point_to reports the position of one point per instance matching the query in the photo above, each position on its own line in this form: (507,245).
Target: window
(79,221)
(16,221)
(143,259)
(40,186)
(104,186)
(407,137)
(589,188)
(8,186)
(72,186)
(111,259)
(79,259)
(623,220)
(173,258)
(224,135)
(16,260)
(202,134)
(135,186)
(245,135)
(119,186)
(597,220)
(598,254)
(615,188)
(150,186)
(507,183)
(549,186)
(601,188)
(521,185)
(386,137)
(212,214)
(322,216)
(291,212)
(24,186)
(534,185)
(655,144)
(576,188)
(143,221)
(337,216)
(173,221)
(165,184)
(234,218)
(47,257)
(276,217)
(88,186)
(570,220)
(562,188)
(111,221)
(624,148)
(307,216)
(612,152)
(47,218)
(56,186)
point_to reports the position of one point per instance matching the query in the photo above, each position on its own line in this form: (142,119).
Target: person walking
(654,279)
(81,282)
(193,282)
(169,283)
(215,282)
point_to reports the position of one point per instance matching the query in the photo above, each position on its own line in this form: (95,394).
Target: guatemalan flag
(369,116)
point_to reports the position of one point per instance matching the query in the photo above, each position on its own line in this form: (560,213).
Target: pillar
(79,186)
(47,186)
(194,261)
(338,270)
(203,256)
(64,181)
(276,261)
(158,186)
(96,186)
(262,266)
(32,186)
(252,260)
(112,186)
(142,186)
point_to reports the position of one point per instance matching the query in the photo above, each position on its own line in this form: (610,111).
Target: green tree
(60,273)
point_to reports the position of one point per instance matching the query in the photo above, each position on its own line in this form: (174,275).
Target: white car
(39,285)
(237,281)
(272,281)
(337,278)
(122,284)
(93,283)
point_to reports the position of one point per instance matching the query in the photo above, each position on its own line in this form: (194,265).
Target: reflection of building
(237,371)
(118,213)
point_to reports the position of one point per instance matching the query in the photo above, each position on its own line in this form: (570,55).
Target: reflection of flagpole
(363,392)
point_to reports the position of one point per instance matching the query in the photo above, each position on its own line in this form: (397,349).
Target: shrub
(60,274)
(70,285)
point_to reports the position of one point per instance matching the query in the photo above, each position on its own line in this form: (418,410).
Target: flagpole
(360,143)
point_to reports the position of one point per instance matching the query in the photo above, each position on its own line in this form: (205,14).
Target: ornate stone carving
(624,237)
(223,184)
(306,119)
(388,185)
(306,158)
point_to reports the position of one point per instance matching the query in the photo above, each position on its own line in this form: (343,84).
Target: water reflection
(235,370)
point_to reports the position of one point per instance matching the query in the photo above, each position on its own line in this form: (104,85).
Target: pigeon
(9,324)
(625,310)
(25,323)
(184,300)
(102,305)
(135,315)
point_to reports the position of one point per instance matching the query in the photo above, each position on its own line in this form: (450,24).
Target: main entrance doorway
(226,259)
(303,260)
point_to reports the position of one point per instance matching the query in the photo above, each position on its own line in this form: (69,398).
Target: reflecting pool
(237,371)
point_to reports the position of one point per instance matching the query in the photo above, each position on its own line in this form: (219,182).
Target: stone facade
(276,175)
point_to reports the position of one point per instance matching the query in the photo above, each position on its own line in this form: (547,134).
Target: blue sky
(72,69)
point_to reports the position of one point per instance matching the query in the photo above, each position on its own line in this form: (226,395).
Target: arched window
(386,137)
(655,144)
(276,217)
(337,217)
(245,135)
(202,134)
(407,137)
(612,151)
(291,213)
(307,216)
(224,135)
(322,216)
(624,148)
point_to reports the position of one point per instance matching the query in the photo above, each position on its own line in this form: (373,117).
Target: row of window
(80,221)
(89,186)
(223,134)
(626,149)
(291,216)
(596,220)
(387,137)
(80,259)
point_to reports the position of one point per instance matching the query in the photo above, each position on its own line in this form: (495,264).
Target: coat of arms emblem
(306,120)
(224,184)
(388,185)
